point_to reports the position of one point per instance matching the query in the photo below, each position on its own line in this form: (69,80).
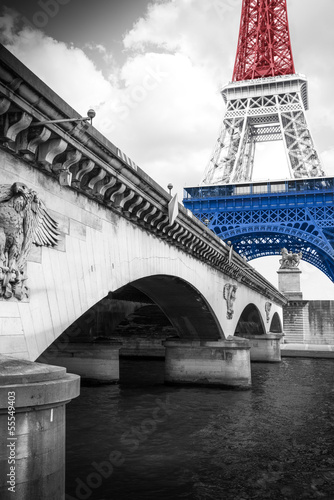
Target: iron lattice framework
(266,101)
(261,218)
(264,47)
(263,110)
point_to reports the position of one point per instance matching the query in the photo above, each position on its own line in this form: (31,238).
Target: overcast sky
(153,73)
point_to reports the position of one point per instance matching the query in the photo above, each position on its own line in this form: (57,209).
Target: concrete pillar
(32,429)
(289,283)
(224,362)
(93,361)
(294,312)
(265,348)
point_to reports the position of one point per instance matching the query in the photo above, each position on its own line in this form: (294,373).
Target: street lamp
(90,115)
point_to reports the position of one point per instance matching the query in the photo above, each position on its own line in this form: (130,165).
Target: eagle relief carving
(24,221)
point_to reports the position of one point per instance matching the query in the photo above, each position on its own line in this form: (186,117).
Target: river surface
(142,440)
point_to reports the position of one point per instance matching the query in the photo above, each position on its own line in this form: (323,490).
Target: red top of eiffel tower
(264,47)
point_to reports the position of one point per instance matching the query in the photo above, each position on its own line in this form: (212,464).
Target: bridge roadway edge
(114,228)
(110,199)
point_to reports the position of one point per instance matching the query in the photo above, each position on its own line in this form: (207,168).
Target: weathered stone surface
(77,230)
(92,361)
(321,322)
(183,264)
(309,322)
(289,283)
(35,254)
(38,393)
(224,363)
(265,348)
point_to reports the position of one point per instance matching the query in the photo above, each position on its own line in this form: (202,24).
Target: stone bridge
(116,234)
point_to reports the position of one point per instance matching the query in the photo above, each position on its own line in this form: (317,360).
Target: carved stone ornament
(289,260)
(267,308)
(230,296)
(23,221)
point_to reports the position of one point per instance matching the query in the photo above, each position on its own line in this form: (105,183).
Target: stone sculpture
(289,260)
(23,221)
(267,308)
(230,296)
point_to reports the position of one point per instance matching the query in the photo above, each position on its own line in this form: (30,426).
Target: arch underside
(315,241)
(250,322)
(276,324)
(187,310)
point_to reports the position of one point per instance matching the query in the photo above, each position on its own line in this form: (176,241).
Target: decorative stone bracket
(82,161)
(267,308)
(56,157)
(230,296)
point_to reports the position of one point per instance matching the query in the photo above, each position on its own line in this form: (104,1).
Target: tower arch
(265,102)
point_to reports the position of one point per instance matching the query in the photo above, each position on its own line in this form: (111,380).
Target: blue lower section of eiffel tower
(261,218)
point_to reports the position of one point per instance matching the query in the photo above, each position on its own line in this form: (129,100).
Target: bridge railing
(82,159)
(300,186)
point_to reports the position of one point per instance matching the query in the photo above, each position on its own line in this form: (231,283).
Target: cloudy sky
(153,72)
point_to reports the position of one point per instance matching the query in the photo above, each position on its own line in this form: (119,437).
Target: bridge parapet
(85,161)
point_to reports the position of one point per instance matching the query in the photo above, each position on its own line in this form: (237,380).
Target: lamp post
(90,115)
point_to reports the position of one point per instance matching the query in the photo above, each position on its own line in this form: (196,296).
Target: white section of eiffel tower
(263,110)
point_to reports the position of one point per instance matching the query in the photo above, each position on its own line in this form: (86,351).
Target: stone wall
(295,318)
(309,322)
(321,322)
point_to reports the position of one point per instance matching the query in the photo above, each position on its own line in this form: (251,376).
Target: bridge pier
(265,348)
(32,428)
(222,363)
(93,361)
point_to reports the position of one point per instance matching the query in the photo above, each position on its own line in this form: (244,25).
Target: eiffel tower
(266,101)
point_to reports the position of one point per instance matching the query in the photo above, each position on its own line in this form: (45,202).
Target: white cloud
(190,28)
(328,161)
(162,107)
(66,69)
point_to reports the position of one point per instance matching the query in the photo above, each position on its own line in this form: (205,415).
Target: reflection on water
(142,440)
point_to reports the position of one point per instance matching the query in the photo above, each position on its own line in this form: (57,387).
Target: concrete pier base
(308,351)
(265,348)
(223,363)
(32,428)
(95,362)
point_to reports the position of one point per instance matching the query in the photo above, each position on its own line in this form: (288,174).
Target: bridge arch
(188,311)
(276,324)
(250,322)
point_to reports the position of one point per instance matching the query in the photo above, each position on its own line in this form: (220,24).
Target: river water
(142,440)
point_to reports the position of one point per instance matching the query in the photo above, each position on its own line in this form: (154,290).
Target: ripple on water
(274,441)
